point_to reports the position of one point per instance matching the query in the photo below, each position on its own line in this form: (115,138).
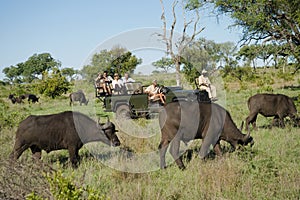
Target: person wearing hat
(205,84)
(153,92)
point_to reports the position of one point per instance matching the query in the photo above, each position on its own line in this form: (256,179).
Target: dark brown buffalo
(31,97)
(66,130)
(185,121)
(278,106)
(78,96)
(15,99)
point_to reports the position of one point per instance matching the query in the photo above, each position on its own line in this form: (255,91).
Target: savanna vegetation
(268,170)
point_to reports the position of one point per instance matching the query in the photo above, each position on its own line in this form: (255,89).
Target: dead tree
(184,39)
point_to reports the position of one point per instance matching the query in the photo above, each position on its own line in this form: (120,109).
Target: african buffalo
(78,96)
(15,99)
(31,97)
(185,121)
(66,130)
(269,105)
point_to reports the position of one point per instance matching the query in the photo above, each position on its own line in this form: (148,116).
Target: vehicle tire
(123,112)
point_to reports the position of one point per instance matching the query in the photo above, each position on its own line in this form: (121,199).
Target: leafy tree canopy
(205,54)
(276,21)
(31,69)
(117,60)
(165,64)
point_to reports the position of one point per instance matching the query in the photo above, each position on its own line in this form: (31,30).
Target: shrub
(53,85)
(63,188)
(8,118)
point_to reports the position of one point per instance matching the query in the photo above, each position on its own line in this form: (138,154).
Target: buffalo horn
(242,125)
(248,135)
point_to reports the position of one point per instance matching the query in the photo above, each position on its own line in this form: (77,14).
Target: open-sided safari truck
(134,102)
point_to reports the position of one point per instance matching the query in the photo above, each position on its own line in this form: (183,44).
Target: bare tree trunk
(184,40)
(178,75)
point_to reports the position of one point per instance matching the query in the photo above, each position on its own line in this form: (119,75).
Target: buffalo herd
(179,121)
(19,99)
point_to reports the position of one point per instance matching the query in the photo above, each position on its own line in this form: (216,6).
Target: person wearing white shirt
(127,79)
(117,84)
(153,92)
(205,84)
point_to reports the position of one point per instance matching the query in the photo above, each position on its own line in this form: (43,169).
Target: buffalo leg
(281,122)
(18,150)
(73,153)
(163,146)
(251,119)
(217,149)
(174,150)
(210,139)
(36,152)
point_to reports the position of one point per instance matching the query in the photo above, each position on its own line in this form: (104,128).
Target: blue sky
(71,29)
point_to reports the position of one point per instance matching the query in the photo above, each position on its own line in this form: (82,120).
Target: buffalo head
(110,131)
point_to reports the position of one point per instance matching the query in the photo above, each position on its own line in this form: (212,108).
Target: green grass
(268,170)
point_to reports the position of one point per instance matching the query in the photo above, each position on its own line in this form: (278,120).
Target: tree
(13,74)
(53,84)
(165,64)
(276,21)
(205,54)
(117,60)
(184,40)
(37,64)
(249,53)
(69,73)
(31,69)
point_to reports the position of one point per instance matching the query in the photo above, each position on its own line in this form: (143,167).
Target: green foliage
(31,69)
(10,119)
(63,187)
(165,64)
(268,169)
(274,22)
(285,76)
(33,196)
(117,60)
(54,84)
(69,73)
(238,73)
(37,64)
(190,73)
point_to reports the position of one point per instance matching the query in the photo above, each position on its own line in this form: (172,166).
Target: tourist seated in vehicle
(154,93)
(127,79)
(103,83)
(205,84)
(128,83)
(118,85)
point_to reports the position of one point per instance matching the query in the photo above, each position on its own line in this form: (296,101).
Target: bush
(9,119)
(64,188)
(53,85)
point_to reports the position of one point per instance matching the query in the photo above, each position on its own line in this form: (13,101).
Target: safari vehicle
(134,102)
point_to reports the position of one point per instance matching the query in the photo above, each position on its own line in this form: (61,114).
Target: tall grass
(268,170)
